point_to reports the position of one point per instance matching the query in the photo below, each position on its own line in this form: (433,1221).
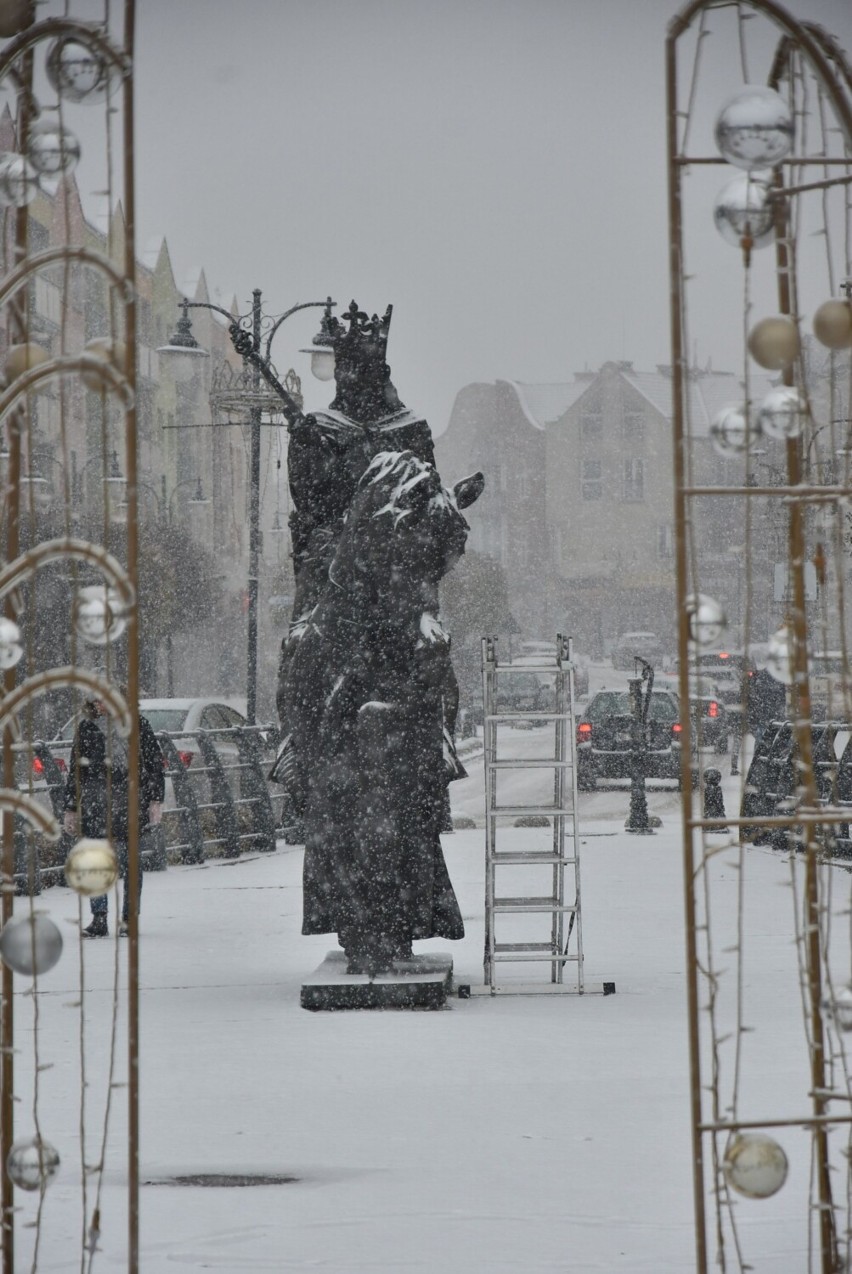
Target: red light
(723,654)
(713,709)
(677,727)
(60,765)
(186,758)
(38,765)
(584,731)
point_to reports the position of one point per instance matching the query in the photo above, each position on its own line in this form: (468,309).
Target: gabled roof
(708,393)
(542,404)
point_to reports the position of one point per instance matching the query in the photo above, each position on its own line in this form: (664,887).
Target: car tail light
(584,731)
(186,758)
(713,708)
(676,729)
(60,765)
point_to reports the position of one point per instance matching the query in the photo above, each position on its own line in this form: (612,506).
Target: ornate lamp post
(251,336)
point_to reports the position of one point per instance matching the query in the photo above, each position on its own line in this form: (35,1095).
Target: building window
(665,543)
(591,426)
(633,428)
(592,480)
(634,479)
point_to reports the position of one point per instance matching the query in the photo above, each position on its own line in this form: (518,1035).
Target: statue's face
(360,383)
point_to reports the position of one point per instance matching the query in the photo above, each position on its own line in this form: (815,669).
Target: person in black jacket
(767,702)
(96,795)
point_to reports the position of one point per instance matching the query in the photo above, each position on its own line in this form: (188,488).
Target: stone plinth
(420,983)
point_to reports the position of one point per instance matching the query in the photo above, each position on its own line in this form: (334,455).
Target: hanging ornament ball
(106,351)
(11,650)
(782,413)
(78,73)
(23,358)
(730,432)
(99,615)
(840,1007)
(833,324)
(91,868)
(18,181)
(707,619)
(15,16)
(31,1164)
(778,662)
(30,944)
(754,129)
(743,209)
(52,150)
(755,1165)
(774,342)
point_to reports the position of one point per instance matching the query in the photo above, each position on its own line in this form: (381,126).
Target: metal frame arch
(65,365)
(31,265)
(29,808)
(86,33)
(826,62)
(68,677)
(25,566)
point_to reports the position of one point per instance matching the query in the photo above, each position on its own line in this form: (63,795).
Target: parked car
(605,738)
(708,716)
(544,652)
(644,644)
(772,787)
(183,717)
(730,672)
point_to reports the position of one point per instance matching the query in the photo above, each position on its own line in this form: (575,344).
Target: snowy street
(534,1133)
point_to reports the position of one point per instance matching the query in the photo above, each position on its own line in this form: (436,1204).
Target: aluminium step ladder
(550,857)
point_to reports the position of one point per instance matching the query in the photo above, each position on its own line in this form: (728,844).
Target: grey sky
(495,168)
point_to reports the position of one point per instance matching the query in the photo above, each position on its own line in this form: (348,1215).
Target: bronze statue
(366,688)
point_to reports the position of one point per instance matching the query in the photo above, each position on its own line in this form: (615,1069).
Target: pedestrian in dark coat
(767,702)
(96,794)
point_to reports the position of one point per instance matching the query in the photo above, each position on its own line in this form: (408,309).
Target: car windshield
(165,718)
(612,703)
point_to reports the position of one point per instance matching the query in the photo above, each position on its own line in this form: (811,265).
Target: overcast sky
(494,168)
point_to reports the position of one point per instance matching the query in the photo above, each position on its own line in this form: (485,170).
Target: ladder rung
(534,856)
(527,809)
(518,764)
(528,716)
(502,952)
(531,904)
(524,946)
(551,667)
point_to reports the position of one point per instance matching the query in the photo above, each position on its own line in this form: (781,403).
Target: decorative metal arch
(829,68)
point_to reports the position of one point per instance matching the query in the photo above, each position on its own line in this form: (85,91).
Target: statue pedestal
(420,983)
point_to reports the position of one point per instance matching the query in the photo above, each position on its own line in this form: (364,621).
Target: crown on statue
(366,338)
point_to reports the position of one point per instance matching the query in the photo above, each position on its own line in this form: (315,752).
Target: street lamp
(251,336)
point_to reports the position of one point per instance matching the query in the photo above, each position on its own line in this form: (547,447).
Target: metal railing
(221,802)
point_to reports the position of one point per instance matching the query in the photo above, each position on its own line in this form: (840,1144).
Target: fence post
(227,823)
(191,830)
(248,746)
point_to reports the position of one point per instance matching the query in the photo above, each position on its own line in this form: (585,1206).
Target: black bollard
(714,801)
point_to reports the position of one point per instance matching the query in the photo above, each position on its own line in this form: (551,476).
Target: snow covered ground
(509,1134)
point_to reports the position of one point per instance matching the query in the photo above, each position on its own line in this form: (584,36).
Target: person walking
(96,796)
(767,702)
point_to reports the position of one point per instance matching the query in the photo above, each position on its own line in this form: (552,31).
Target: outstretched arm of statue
(243,343)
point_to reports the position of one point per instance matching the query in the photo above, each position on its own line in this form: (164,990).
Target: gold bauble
(91,868)
(774,342)
(833,324)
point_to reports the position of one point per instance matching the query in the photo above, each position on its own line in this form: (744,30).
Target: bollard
(714,801)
